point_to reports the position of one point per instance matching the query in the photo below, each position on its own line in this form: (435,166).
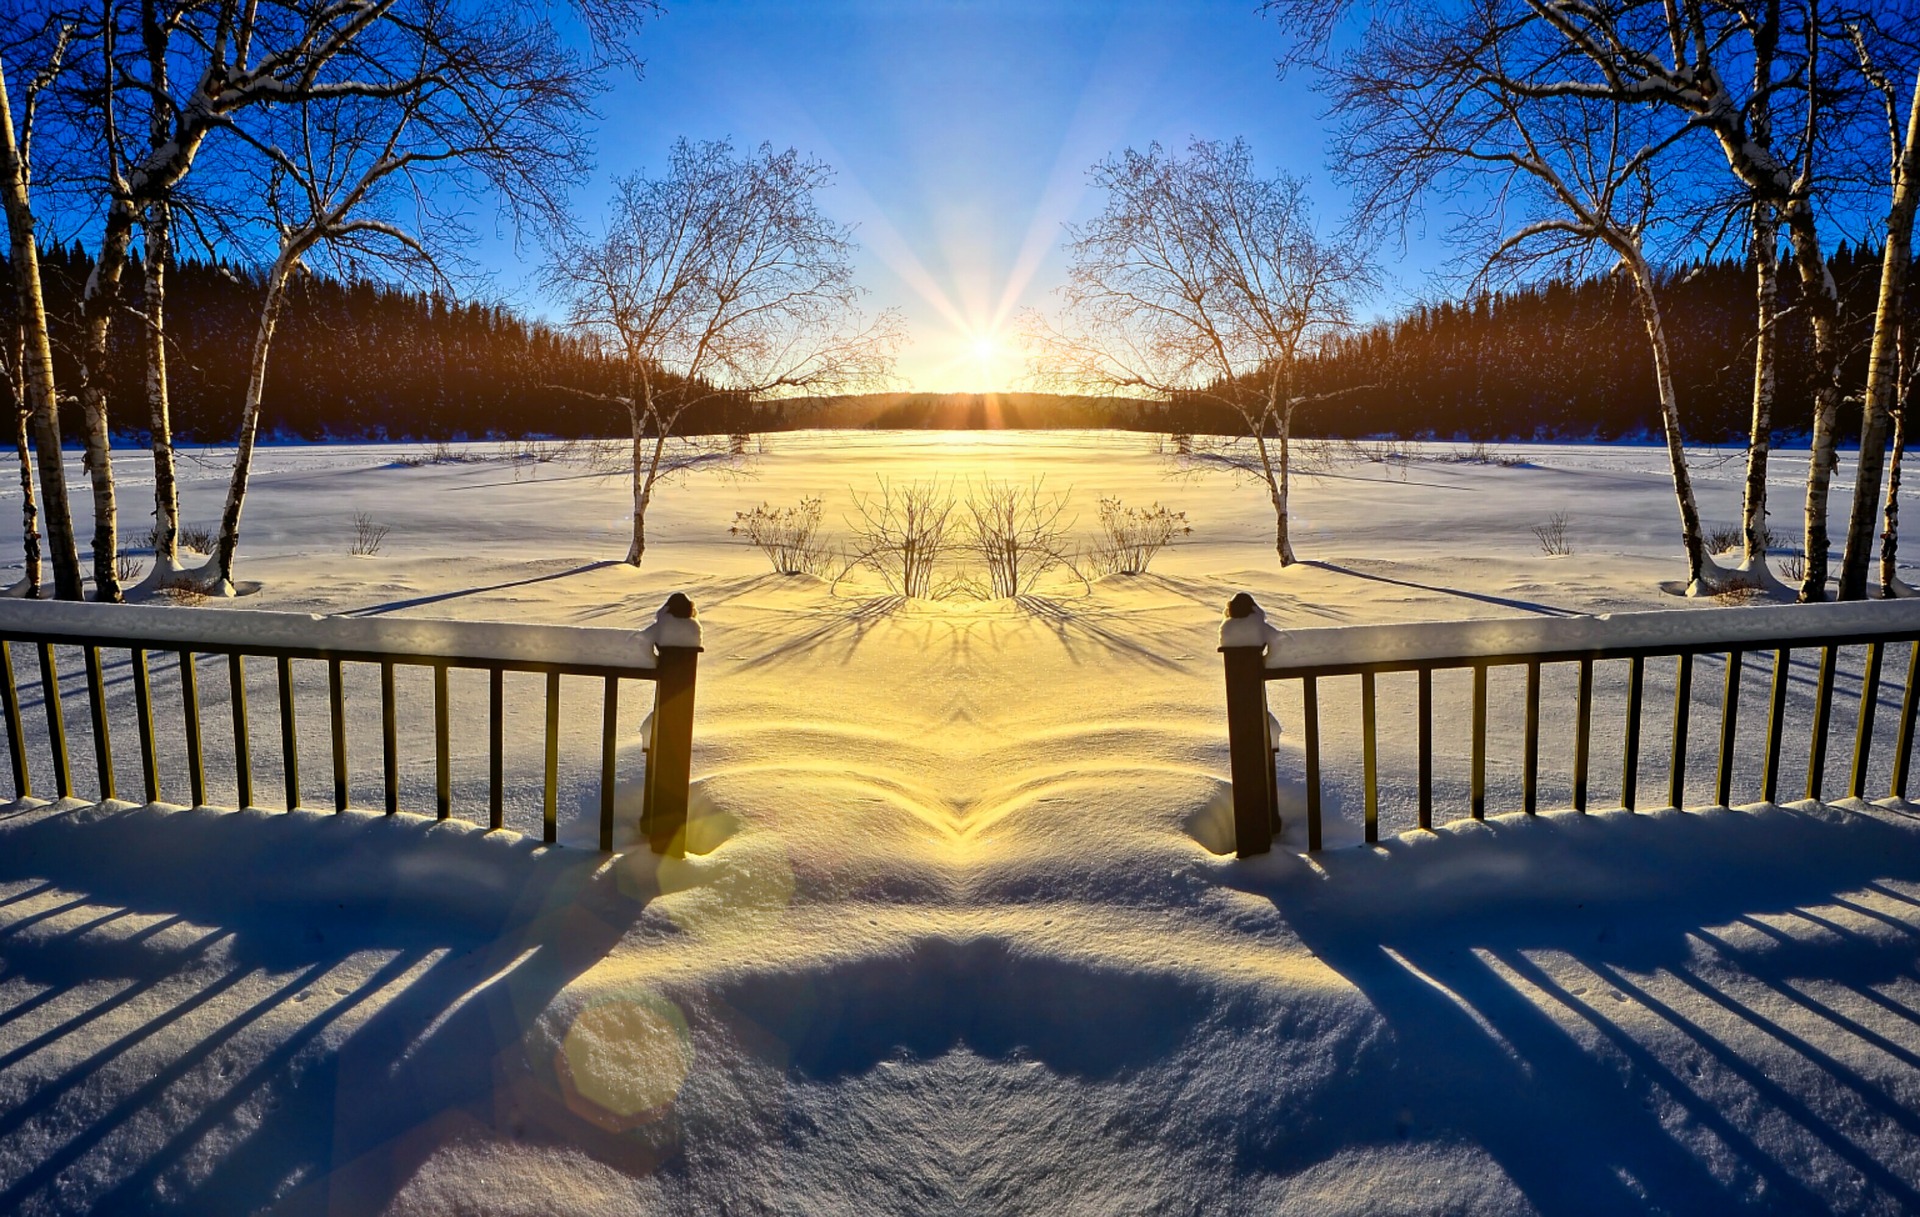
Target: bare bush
(787,536)
(367,536)
(196,537)
(1552,535)
(904,533)
(1732,536)
(1131,536)
(1793,567)
(1016,532)
(127,568)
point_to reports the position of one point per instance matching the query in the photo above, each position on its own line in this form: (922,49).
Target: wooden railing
(665,653)
(1255,654)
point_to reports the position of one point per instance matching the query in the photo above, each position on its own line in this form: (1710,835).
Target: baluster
(389,738)
(549,826)
(242,748)
(1630,748)
(102,734)
(337,720)
(56,721)
(442,757)
(1903,747)
(1370,753)
(1729,720)
(1583,735)
(1682,712)
(143,709)
(1426,748)
(1863,733)
(1310,713)
(496,714)
(1478,798)
(1530,748)
(609,731)
(1776,723)
(16,733)
(289,733)
(1822,712)
(190,704)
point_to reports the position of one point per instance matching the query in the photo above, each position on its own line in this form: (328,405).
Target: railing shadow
(269,997)
(1562,993)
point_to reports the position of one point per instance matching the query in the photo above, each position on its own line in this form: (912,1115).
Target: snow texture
(958,929)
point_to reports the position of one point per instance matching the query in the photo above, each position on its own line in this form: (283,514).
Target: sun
(986,350)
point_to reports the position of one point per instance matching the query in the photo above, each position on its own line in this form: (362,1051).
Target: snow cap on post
(675,624)
(1245,624)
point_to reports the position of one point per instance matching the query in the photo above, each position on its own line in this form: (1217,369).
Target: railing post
(1249,738)
(670,751)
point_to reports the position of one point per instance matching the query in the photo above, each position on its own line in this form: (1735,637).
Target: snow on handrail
(1662,631)
(250,630)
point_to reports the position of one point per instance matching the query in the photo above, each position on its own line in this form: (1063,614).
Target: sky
(960,132)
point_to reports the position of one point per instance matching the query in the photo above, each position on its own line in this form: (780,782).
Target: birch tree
(720,278)
(1201,279)
(1448,101)
(46,47)
(465,105)
(1884,365)
(1687,57)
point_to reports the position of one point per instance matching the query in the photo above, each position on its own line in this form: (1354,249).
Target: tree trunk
(221,565)
(642,483)
(1283,492)
(1890,529)
(1690,533)
(1766,242)
(157,233)
(98,302)
(1821,299)
(37,370)
(1883,370)
(29,512)
(166,492)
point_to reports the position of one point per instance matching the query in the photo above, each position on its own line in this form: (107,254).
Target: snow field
(956,933)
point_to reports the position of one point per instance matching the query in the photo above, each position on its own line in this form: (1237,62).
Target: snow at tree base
(958,928)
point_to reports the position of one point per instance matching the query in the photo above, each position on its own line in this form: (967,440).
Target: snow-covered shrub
(367,536)
(1553,535)
(1131,536)
(904,533)
(786,535)
(1016,532)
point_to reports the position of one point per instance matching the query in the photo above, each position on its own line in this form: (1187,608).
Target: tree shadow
(219,1011)
(1507,602)
(1561,992)
(395,606)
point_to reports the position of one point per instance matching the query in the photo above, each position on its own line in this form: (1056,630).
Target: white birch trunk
(166,492)
(1883,370)
(37,366)
(217,576)
(29,510)
(1698,580)
(1753,530)
(1821,300)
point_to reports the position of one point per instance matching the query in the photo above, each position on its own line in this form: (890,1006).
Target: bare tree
(1875,50)
(46,47)
(1201,279)
(1447,100)
(1687,58)
(471,103)
(719,278)
(13,360)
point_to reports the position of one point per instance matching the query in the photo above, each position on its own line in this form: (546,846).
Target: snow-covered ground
(958,932)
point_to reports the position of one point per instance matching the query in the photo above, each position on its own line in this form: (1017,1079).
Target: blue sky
(961,131)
